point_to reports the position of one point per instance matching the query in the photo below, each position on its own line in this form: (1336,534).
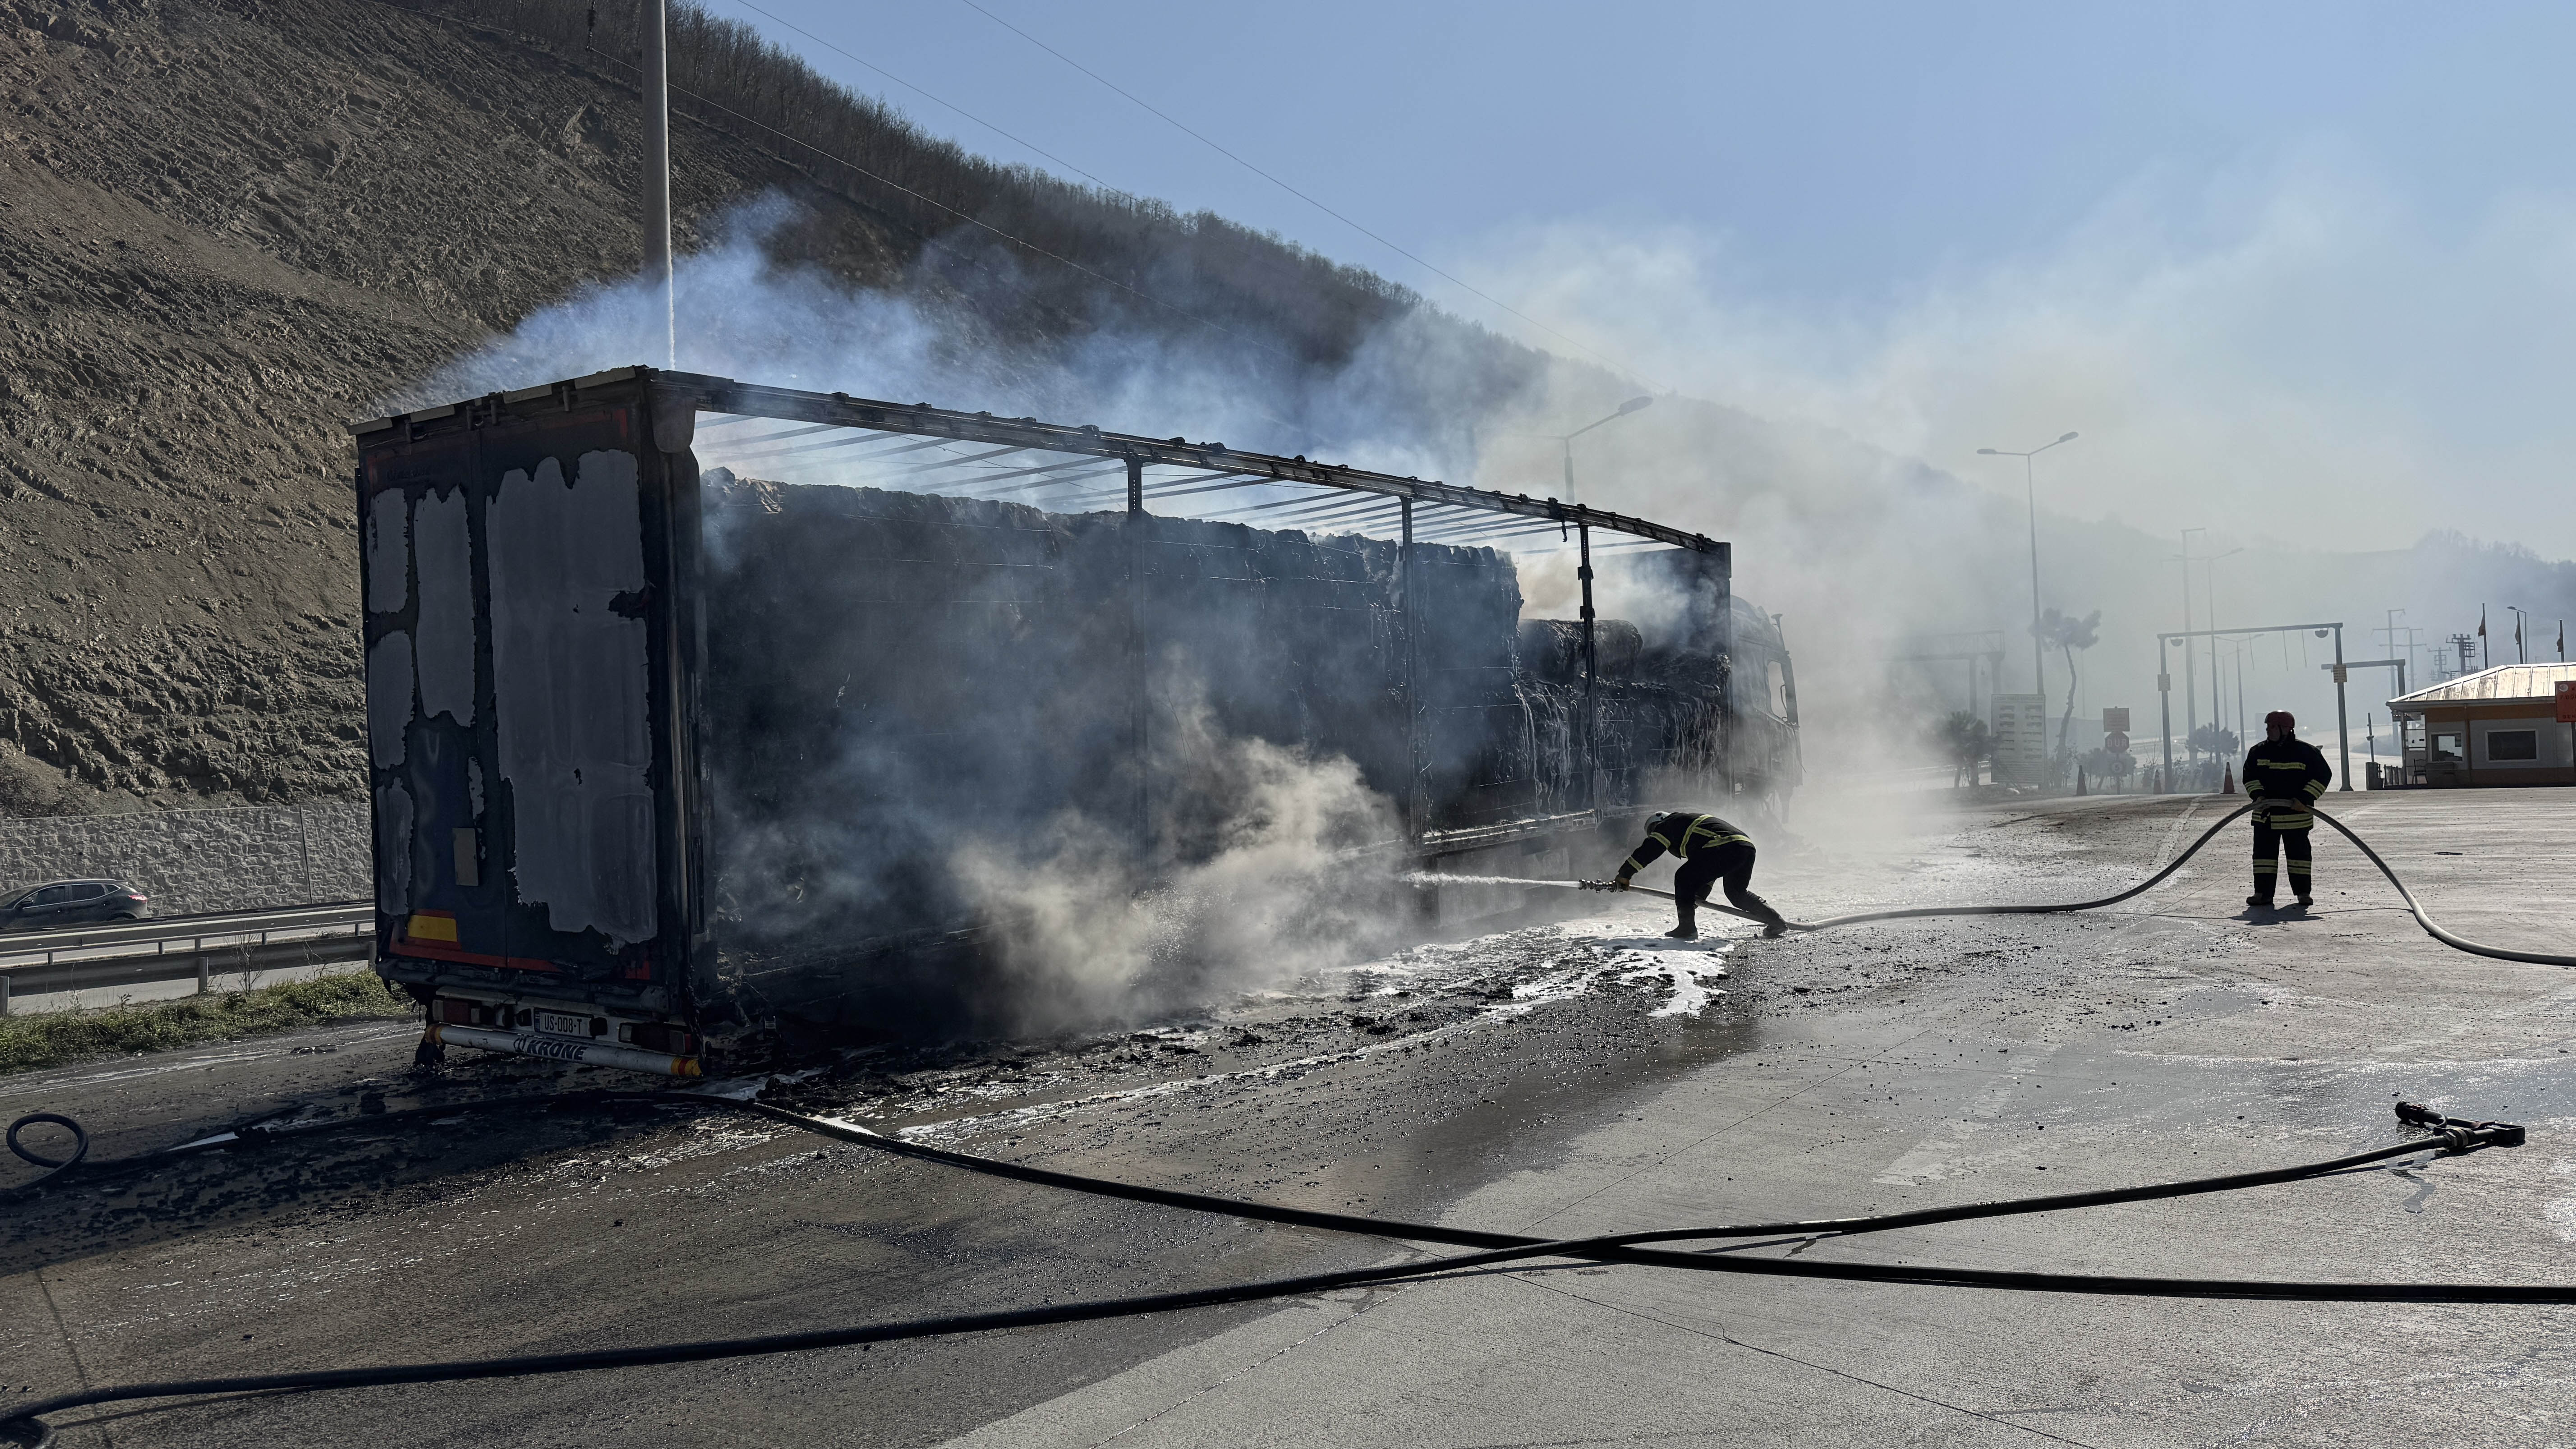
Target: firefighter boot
(1774,925)
(1688,930)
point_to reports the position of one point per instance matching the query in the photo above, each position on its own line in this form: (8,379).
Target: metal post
(2217,697)
(2343,722)
(1140,671)
(1591,664)
(2038,654)
(2164,707)
(4,993)
(657,172)
(2190,666)
(1416,803)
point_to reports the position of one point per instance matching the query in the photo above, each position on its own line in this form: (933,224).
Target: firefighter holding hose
(1708,851)
(2284,775)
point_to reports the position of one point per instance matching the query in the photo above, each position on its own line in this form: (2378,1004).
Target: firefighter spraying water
(1709,851)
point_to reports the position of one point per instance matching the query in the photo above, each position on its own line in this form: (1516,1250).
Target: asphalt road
(1565,1079)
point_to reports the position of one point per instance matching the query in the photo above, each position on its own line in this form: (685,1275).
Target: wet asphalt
(1546,1078)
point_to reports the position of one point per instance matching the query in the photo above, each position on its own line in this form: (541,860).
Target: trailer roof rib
(722,407)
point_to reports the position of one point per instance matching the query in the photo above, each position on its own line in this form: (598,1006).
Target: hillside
(228,225)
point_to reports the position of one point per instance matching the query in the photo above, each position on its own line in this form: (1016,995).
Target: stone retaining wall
(195,862)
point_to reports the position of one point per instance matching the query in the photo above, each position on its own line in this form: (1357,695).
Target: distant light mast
(2030,486)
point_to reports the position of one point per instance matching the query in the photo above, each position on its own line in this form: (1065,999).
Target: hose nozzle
(2464,1135)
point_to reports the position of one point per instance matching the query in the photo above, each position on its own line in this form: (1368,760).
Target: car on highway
(71,903)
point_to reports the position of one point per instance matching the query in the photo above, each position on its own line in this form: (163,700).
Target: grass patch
(54,1038)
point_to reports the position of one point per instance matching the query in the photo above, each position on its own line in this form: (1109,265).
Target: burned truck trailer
(683,694)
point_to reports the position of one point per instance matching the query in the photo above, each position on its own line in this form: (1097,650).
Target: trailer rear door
(526,750)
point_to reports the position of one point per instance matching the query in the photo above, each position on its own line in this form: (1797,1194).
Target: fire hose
(2451,1137)
(2423,917)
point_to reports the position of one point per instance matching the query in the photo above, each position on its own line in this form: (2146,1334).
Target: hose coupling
(2462,1134)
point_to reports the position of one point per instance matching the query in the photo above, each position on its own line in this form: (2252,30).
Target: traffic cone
(2228,787)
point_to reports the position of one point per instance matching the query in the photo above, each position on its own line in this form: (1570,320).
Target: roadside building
(2021,739)
(2500,726)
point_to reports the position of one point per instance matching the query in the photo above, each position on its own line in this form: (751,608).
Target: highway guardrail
(180,947)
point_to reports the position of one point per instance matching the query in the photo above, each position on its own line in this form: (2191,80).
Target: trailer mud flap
(563,1049)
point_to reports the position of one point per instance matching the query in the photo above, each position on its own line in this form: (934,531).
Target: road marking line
(1935,1157)
(2173,837)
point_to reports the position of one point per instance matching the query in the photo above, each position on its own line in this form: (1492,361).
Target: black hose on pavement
(2454,1137)
(54,1166)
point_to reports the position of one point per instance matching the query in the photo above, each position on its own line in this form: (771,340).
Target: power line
(1310,201)
(1129,196)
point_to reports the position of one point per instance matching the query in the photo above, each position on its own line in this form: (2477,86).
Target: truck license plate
(563,1023)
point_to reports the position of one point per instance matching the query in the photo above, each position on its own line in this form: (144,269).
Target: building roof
(2537,682)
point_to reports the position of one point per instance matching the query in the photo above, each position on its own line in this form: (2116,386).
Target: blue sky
(2315,252)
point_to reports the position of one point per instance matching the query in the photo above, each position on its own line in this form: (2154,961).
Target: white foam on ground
(1514,972)
(1689,972)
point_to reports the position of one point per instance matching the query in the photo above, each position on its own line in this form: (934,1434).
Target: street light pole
(1633,404)
(2030,489)
(2190,665)
(2218,725)
(2343,717)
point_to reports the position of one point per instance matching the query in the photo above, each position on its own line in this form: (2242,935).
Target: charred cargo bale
(893,676)
(1479,754)
(1251,634)
(888,673)
(1662,729)
(1552,649)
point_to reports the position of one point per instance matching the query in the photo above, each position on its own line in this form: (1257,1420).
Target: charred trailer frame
(552,736)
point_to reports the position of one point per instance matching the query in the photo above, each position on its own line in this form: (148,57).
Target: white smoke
(743,313)
(1283,880)
(2291,357)
(2297,329)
